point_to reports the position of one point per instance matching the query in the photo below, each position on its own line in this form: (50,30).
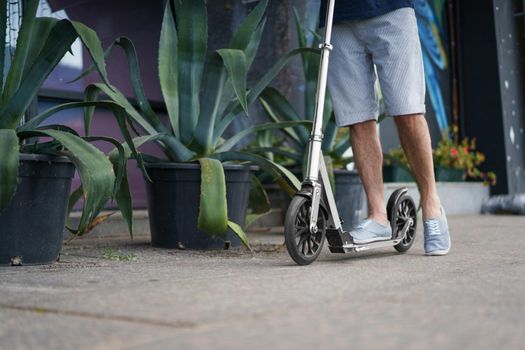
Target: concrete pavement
(113,293)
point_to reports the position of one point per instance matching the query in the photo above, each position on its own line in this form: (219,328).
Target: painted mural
(430,17)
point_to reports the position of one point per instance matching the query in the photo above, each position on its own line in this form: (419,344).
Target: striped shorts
(391,43)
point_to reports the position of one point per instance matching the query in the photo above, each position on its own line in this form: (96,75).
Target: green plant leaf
(258,201)
(16,70)
(311,74)
(38,119)
(235,63)
(117,158)
(214,86)
(253,45)
(240,233)
(282,176)
(288,154)
(9,156)
(149,125)
(192,26)
(278,108)
(213,210)
(121,192)
(40,33)
(168,64)
(228,144)
(59,41)
(94,47)
(301,36)
(118,112)
(235,109)
(95,170)
(169,143)
(136,81)
(90,95)
(243,36)
(74,197)
(330,132)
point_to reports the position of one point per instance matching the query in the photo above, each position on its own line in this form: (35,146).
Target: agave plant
(279,109)
(203,93)
(41,44)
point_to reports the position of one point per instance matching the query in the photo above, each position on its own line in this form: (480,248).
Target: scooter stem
(316,136)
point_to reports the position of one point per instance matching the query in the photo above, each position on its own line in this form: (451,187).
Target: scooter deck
(353,247)
(341,241)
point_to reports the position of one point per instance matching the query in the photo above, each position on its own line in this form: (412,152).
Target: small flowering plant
(462,155)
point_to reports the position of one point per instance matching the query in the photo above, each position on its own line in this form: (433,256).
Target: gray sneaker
(437,237)
(371,231)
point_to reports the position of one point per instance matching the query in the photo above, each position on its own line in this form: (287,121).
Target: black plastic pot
(350,198)
(394,173)
(173,204)
(32,227)
(449,174)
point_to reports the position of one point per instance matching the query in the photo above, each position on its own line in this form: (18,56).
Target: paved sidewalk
(111,293)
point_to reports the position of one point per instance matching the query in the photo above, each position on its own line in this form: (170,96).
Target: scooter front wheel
(302,245)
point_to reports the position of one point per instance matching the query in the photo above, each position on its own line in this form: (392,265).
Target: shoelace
(433,227)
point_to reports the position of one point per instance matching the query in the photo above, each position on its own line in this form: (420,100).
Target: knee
(409,120)
(364,128)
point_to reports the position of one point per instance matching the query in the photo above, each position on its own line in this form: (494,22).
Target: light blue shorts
(391,42)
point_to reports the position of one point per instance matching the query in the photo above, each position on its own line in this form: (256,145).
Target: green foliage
(203,95)
(41,44)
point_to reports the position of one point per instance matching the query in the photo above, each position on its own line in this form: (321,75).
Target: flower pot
(393,173)
(173,204)
(32,227)
(350,198)
(449,174)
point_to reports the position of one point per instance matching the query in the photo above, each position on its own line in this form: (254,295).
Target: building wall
(510,38)
(492,76)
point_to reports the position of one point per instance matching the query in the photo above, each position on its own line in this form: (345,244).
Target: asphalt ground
(113,293)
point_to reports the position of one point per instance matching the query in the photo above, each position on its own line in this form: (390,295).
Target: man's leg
(415,140)
(369,160)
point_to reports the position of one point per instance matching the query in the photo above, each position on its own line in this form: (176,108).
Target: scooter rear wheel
(302,245)
(400,212)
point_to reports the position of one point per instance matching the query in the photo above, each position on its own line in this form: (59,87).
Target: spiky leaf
(9,155)
(168,64)
(192,26)
(235,63)
(213,210)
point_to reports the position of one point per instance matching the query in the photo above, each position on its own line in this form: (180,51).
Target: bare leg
(415,140)
(369,160)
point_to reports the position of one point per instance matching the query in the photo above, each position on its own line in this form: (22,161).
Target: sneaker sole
(438,252)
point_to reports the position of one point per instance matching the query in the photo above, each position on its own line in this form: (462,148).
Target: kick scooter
(312,215)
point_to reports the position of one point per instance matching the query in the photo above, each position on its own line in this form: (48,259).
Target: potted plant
(35,173)
(349,192)
(196,201)
(396,167)
(457,160)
